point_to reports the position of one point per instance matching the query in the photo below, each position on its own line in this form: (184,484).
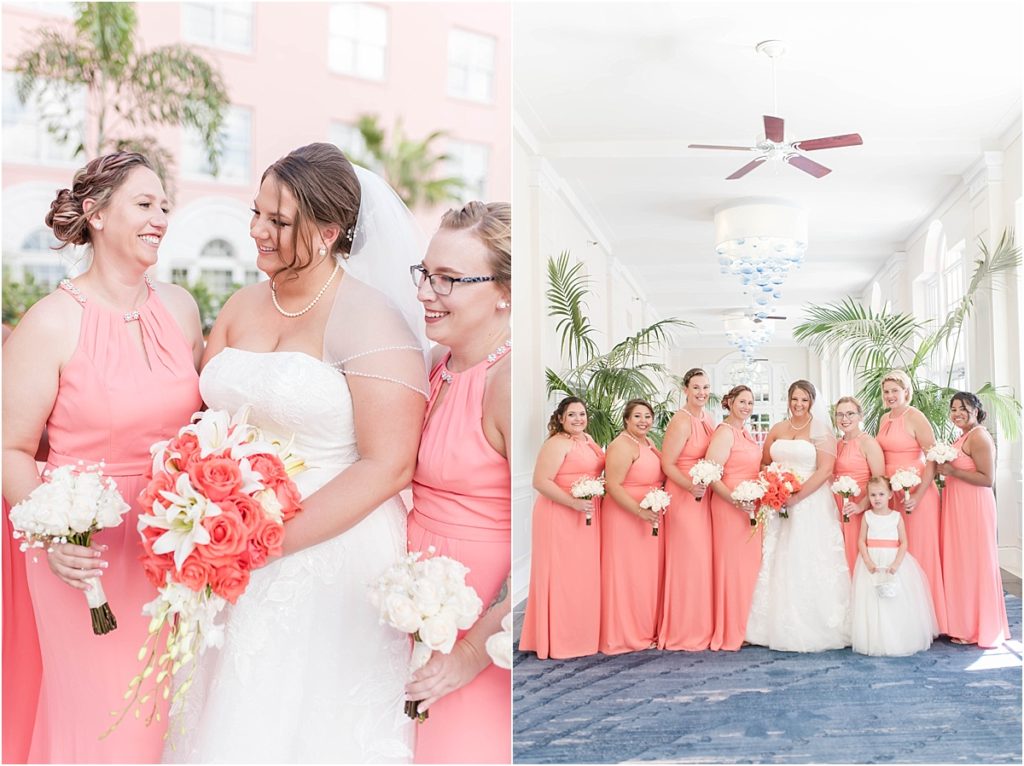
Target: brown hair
(326,192)
(491,222)
(555,422)
(880,480)
(806,386)
(970,401)
(691,374)
(733,393)
(98,181)
(631,405)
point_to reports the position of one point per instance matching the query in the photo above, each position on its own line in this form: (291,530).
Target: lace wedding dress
(802,597)
(307,673)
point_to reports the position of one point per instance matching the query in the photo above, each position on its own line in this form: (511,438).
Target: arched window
(217,248)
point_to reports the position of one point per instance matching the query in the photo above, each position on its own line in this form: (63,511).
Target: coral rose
(162,482)
(269,467)
(156,569)
(215,477)
(289,498)
(270,537)
(195,573)
(229,581)
(184,451)
(248,509)
(228,536)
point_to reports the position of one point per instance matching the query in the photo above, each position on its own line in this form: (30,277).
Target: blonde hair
(901,379)
(491,222)
(852,400)
(880,480)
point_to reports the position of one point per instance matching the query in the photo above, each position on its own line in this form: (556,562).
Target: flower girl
(893,613)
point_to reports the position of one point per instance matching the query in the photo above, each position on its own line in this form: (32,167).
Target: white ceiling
(613,93)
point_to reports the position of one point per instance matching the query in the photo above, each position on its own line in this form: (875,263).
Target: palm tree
(410,167)
(873,343)
(128,89)
(605,381)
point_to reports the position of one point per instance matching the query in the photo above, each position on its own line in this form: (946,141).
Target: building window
(218,25)
(52,9)
(954,360)
(350,140)
(25,136)
(469,161)
(219,281)
(217,248)
(179,277)
(252,276)
(358,40)
(236,140)
(471,65)
(40,241)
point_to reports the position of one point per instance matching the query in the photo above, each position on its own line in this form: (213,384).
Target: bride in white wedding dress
(802,597)
(307,673)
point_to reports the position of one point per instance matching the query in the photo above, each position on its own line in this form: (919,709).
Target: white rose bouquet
(749,493)
(942,453)
(846,487)
(499,645)
(72,503)
(905,479)
(656,500)
(429,598)
(587,488)
(706,472)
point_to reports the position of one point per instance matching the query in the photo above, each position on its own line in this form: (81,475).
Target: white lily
(182,518)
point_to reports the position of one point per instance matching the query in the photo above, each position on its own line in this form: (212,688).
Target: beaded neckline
(127,316)
(447,376)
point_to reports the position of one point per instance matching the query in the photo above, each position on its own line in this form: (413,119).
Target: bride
(307,673)
(802,596)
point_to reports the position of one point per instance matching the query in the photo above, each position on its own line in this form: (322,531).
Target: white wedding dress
(307,673)
(802,597)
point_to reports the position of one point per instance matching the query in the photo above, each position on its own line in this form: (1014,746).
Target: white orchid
(182,517)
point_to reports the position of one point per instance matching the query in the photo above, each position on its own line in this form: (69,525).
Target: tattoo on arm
(502,595)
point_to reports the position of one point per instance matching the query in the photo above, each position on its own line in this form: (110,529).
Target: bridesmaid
(859,457)
(563,613)
(904,435)
(736,557)
(975,607)
(462,489)
(632,558)
(687,617)
(107,364)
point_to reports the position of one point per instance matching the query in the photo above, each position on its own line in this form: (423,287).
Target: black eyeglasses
(441,284)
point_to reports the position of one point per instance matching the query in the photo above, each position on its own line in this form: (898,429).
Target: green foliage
(873,343)
(18,297)
(128,89)
(605,381)
(209,302)
(411,167)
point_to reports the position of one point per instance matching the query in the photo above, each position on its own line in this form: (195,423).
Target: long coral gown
(462,505)
(114,400)
(687,615)
(850,461)
(563,612)
(632,564)
(737,555)
(975,607)
(901,450)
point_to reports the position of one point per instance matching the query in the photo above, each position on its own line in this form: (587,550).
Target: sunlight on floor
(1006,656)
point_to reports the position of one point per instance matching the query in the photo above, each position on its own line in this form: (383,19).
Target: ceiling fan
(774,146)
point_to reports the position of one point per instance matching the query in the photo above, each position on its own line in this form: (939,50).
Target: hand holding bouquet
(846,487)
(499,645)
(429,598)
(780,484)
(942,453)
(587,488)
(748,494)
(71,504)
(705,472)
(656,500)
(905,479)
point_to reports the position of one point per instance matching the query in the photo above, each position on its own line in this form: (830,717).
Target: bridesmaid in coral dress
(975,606)
(108,365)
(737,556)
(632,557)
(859,457)
(687,617)
(904,435)
(563,612)
(462,499)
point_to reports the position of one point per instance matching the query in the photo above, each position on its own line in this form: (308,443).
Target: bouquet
(749,493)
(942,453)
(904,479)
(214,510)
(704,472)
(846,487)
(656,500)
(429,598)
(780,484)
(70,505)
(499,645)
(587,488)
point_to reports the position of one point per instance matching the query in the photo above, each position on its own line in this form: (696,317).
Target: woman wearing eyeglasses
(462,487)
(859,457)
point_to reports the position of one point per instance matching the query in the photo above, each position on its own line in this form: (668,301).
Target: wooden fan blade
(808,165)
(745,169)
(832,142)
(714,146)
(773,128)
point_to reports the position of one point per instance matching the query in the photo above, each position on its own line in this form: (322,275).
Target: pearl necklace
(499,352)
(636,441)
(801,428)
(319,295)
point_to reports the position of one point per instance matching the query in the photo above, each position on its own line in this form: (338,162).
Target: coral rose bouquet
(656,500)
(942,453)
(587,488)
(780,484)
(905,479)
(73,503)
(748,493)
(846,487)
(428,598)
(214,510)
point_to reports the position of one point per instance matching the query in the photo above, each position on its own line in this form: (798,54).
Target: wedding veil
(822,434)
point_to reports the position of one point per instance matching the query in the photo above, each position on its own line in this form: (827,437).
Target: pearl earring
(502,305)
(323,251)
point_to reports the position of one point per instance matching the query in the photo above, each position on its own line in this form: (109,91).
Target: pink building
(295,73)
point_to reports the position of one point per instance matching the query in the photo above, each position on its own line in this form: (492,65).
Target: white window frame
(472,60)
(238,120)
(347,137)
(218,37)
(459,152)
(350,49)
(27,122)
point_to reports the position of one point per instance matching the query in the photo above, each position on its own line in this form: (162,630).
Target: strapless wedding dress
(802,597)
(307,674)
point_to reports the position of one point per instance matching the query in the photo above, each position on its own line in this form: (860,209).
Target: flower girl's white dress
(892,614)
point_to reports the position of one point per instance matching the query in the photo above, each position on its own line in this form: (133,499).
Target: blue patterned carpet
(952,704)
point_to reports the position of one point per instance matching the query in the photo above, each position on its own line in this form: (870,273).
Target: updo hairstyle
(491,222)
(555,422)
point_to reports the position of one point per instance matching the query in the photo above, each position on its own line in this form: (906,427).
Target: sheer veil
(822,434)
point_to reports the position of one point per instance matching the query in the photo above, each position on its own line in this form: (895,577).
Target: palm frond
(568,286)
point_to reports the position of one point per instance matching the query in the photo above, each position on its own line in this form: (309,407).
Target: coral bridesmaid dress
(850,461)
(114,400)
(462,505)
(632,564)
(687,618)
(563,613)
(737,556)
(975,607)
(901,450)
